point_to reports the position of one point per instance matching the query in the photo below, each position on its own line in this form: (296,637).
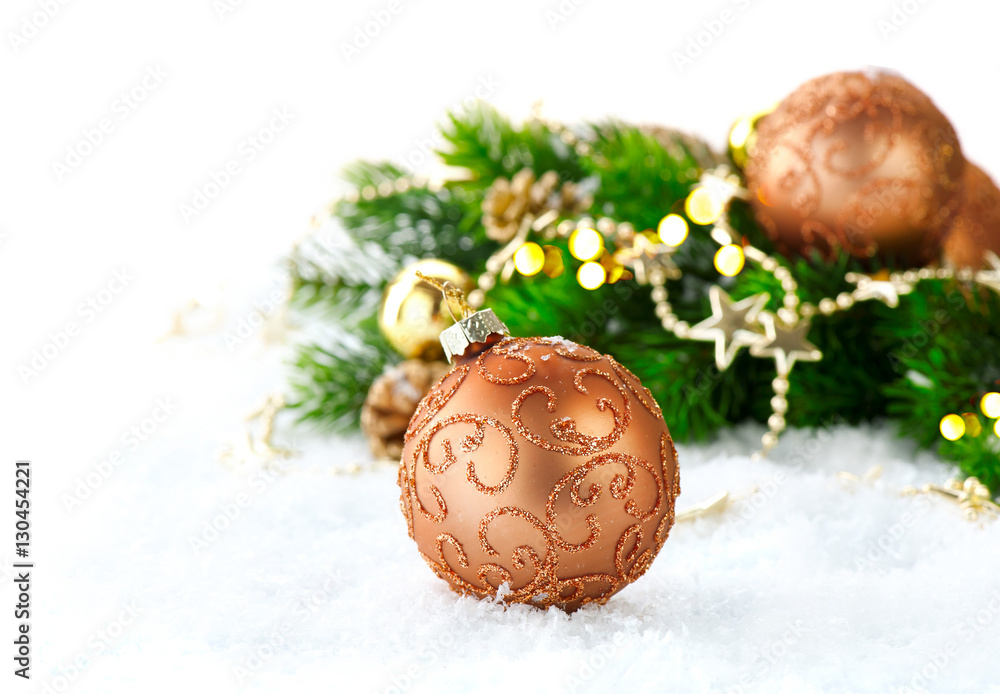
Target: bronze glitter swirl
(802,178)
(448,538)
(639,391)
(668,452)
(565,428)
(621,559)
(469,444)
(619,488)
(437,397)
(508,349)
(516,512)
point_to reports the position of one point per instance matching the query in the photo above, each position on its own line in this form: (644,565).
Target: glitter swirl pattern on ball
(543,466)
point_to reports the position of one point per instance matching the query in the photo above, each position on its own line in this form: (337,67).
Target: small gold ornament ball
(543,465)
(413,313)
(976,228)
(862,163)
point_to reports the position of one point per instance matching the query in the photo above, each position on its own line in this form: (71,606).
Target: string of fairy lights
(609,251)
(955,426)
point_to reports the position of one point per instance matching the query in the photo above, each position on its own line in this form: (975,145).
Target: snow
(306,581)
(560,341)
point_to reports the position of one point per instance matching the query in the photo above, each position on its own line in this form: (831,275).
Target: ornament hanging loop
(452,294)
(475,330)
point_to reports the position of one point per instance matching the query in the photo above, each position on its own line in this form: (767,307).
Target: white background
(120,207)
(62,237)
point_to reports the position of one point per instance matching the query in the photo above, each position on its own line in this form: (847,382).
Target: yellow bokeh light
(990,404)
(740,132)
(672,230)
(554,265)
(729,260)
(952,427)
(591,275)
(586,244)
(996,428)
(703,206)
(972,426)
(529,259)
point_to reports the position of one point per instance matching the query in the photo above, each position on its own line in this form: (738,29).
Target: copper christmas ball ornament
(976,228)
(862,163)
(413,313)
(541,466)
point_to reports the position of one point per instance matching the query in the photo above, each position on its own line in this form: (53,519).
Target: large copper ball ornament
(541,466)
(862,163)
(976,228)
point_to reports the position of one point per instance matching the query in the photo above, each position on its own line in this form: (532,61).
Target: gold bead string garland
(648,256)
(782,335)
(786,332)
(586,239)
(617,251)
(388,188)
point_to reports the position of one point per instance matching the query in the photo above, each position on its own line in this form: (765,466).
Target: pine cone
(507,203)
(391,402)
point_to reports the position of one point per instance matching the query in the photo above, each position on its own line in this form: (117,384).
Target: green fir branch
(331,377)
(488,146)
(933,355)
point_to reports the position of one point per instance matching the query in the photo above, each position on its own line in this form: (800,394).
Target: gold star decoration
(730,325)
(646,257)
(991,278)
(886,291)
(786,344)
(972,496)
(724,184)
(869,477)
(257,450)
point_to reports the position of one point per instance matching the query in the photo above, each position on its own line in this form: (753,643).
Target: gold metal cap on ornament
(477,331)
(474,331)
